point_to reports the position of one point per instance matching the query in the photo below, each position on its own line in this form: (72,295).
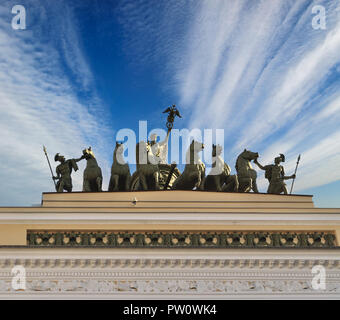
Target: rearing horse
(245,172)
(92,174)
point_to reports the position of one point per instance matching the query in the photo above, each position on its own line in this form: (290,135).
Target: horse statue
(219,178)
(194,171)
(147,167)
(92,174)
(245,172)
(120,172)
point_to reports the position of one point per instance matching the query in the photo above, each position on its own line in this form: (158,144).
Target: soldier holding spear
(276,175)
(63,170)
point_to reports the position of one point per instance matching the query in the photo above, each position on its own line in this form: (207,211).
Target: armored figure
(64,170)
(275,175)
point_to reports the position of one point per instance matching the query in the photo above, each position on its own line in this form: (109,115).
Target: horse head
(88,153)
(243,160)
(119,148)
(216,150)
(192,154)
(196,146)
(92,174)
(118,153)
(249,155)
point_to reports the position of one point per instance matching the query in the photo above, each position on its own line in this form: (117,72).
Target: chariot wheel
(164,170)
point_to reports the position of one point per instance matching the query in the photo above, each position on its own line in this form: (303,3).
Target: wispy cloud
(259,70)
(255,68)
(40,105)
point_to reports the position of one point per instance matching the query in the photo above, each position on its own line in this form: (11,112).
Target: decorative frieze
(171,286)
(232,239)
(98,272)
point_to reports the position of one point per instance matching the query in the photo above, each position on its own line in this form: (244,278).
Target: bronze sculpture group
(153,173)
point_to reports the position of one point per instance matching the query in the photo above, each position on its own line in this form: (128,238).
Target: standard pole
(49,164)
(297,164)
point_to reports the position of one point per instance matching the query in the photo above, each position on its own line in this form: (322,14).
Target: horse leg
(254,186)
(127,183)
(86,185)
(241,185)
(115,179)
(99,181)
(201,184)
(235,182)
(156,180)
(245,184)
(142,182)
(110,189)
(217,183)
(195,181)
(231,184)
(253,175)
(176,183)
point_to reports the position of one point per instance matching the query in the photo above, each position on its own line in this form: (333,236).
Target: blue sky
(84,69)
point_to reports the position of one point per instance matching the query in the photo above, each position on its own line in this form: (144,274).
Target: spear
(49,164)
(297,164)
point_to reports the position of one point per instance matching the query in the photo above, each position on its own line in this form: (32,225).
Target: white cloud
(255,68)
(39,105)
(260,71)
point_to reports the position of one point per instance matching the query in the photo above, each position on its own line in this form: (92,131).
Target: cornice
(182,218)
(172,263)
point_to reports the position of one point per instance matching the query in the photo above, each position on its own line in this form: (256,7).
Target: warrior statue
(275,175)
(64,170)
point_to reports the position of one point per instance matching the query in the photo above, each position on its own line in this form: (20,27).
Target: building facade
(170,244)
